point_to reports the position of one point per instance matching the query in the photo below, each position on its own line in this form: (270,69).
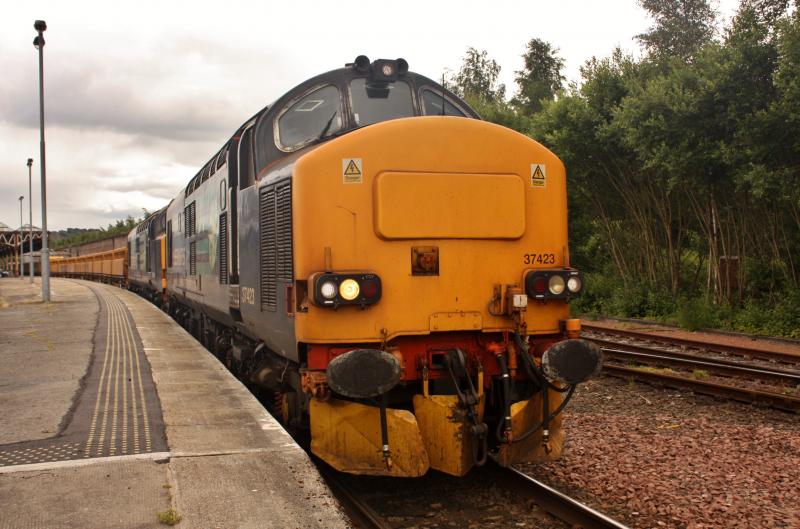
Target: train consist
(392,268)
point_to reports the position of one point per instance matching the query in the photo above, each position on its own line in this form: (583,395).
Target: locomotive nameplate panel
(449,206)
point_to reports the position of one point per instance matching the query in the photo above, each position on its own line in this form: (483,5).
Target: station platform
(112,416)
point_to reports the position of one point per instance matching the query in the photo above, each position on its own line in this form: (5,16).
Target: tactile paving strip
(117,412)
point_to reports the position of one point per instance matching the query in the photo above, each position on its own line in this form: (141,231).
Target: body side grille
(267,254)
(223,249)
(192,258)
(284,231)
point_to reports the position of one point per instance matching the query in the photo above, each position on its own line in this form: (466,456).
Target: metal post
(40,26)
(30,220)
(20,270)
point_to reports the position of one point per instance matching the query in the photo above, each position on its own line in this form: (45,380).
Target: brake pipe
(508,434)
(387,456)
(536,373)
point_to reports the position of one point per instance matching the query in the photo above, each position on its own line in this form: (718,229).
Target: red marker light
(369,288)
(540,285)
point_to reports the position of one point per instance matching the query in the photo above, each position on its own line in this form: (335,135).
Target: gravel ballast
(655,457)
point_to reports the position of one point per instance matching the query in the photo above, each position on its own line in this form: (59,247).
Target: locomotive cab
(430,275)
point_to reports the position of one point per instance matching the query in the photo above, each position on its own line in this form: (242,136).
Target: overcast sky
(138,95)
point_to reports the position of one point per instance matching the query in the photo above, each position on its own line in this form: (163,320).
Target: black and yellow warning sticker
(352,172)
(538,175)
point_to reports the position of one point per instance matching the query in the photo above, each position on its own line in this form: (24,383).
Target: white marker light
(328,289)
(574,284)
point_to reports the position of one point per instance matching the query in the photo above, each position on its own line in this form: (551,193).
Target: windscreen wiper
(327,126)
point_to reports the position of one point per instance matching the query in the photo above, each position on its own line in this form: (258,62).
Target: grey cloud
(155,186)
(167,93)
(80,99)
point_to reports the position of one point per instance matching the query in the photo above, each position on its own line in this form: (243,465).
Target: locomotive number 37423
(539,258)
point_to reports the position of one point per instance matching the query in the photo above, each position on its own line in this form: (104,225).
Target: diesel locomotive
(392,268)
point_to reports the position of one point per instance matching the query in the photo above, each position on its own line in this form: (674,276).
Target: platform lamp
(30,220)
(20,269)
(40,26)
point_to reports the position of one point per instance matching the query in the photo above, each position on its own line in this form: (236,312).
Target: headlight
(574,284)
(328,289)
(563,283)
(349,289)
(332,289)
(556,285)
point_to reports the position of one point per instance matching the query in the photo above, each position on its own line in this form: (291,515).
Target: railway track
(743,392)
(773,399)
(735,350)
(568,509)
(726,368)
(362,515)
(522,486)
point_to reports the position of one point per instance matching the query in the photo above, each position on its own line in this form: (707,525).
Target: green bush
(605,294)
(696,313)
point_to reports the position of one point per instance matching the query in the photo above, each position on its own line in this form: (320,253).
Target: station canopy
(10,237)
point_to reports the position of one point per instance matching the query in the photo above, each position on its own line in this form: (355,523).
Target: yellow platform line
(93,424)
(112,382)
(124,352)
(130,352)
(112,438)
(145,419)
(109,375)
(124,439)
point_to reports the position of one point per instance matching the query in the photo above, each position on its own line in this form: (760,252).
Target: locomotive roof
(380,87)
(334,103)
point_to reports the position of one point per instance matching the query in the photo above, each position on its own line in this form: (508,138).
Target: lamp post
(30,220)
(38,43)
(21,270)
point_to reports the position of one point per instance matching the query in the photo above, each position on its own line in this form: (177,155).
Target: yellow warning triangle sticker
(352,169)
(537,173)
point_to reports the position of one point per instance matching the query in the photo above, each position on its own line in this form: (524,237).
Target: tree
(769,11)
(477,78)
(540,79)
(682,28)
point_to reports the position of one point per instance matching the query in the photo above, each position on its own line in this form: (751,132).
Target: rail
(786,401)
(568,509)
(781,401)
(736,350)
(726,368)
(361,514)
(522,486)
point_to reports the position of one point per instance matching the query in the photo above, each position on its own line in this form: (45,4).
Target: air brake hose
(532,369)
(536,373)
(506,423)
(553,415)
(546,416)
(387,458)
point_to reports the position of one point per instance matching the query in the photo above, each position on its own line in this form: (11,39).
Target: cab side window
(246,165)
(435,104)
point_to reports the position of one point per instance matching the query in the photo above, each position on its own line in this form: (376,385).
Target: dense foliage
(683,165)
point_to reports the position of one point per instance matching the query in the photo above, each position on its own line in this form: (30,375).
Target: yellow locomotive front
(432,303)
